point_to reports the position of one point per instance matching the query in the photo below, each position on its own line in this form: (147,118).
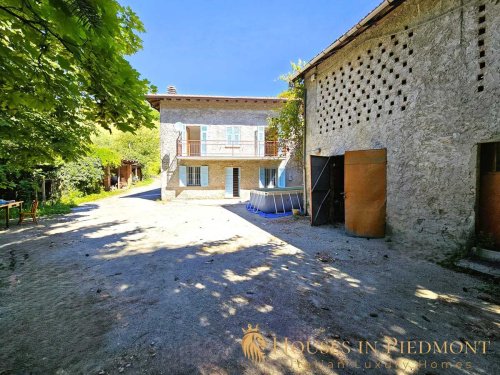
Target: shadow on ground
(170,293)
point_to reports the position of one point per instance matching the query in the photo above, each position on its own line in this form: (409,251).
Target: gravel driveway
(132,285)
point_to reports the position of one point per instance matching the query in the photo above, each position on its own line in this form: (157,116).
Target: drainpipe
(304,156)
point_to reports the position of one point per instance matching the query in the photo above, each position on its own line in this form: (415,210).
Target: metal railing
(233,149)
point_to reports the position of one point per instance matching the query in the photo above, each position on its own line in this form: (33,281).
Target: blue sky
(238,47)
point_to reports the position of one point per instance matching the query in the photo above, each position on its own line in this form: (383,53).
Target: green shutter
(182,175)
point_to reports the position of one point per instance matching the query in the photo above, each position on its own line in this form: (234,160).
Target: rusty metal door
(488,225)
(365,192)
(320,190)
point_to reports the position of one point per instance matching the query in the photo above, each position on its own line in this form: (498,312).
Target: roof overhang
(155,99)
(371,19)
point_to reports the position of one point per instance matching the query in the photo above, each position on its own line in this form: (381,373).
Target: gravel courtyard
(132,285)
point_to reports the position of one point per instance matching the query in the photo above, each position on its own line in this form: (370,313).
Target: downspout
(304,156)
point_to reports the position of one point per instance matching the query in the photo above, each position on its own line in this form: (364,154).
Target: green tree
(288,124)
(63,73)
(143,145)
(82,176)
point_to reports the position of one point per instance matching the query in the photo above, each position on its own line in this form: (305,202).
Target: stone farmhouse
(403,125)
(219,147)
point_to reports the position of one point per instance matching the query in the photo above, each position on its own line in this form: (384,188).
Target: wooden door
(236,182)
(365,192)
(488,224)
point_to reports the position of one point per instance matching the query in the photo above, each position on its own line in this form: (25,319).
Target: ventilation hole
(380,44)
(393,36)
(480,88)
(383,66)
(391,70)
(403,108)
(397,76)
(482,64)
(410,34)
(403,82)
(410,70)
(390,87)
(391,54)
(480,77)
(482,8)
(405,98)
(396,42)
(374,101)
(378,115)
(390,111)
(482,30)
(372,72)
(396,59)
(379,107)
(406,27)
(383,50)
(482,19)
(386,97)
(405,46)
(480,43)
(405,63)
(481,54)
(392,102)
(410,52)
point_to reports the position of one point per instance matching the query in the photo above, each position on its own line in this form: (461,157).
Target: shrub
(84,175)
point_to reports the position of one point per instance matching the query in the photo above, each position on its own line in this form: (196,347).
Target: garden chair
(31,213)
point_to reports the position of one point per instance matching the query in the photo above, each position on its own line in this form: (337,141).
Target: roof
(375,15)
(155,99)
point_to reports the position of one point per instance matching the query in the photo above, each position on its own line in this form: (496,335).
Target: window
(233,135)
(270,177)
(193,176)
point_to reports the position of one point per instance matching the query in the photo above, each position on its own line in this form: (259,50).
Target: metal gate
(320,190)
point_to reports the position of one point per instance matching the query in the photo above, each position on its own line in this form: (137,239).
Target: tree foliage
(142,146)
(288,124)
(84,175)
(63,72)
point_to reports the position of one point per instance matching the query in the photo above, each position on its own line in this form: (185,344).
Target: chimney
(171,90)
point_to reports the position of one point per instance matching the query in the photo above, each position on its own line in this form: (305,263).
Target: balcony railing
(235,149)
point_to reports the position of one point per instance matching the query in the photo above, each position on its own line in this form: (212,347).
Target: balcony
(229,150)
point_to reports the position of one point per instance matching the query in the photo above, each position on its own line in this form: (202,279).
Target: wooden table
(7,207)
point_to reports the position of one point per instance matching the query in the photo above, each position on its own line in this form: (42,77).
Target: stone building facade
(419,81)
(218,147)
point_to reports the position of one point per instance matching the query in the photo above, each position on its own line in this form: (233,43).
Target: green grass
(66,203)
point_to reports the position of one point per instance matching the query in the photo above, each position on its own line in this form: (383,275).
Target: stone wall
(425,84)
(249,114)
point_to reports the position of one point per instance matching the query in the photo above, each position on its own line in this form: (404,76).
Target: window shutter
(229,183)
(236,135)
(204,175)
(229,134)
(281,177)
(182,175)
(262,177)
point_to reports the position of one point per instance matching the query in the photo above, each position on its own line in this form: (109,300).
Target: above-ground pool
(276,200)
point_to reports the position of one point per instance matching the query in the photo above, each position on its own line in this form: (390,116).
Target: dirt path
(131,285)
